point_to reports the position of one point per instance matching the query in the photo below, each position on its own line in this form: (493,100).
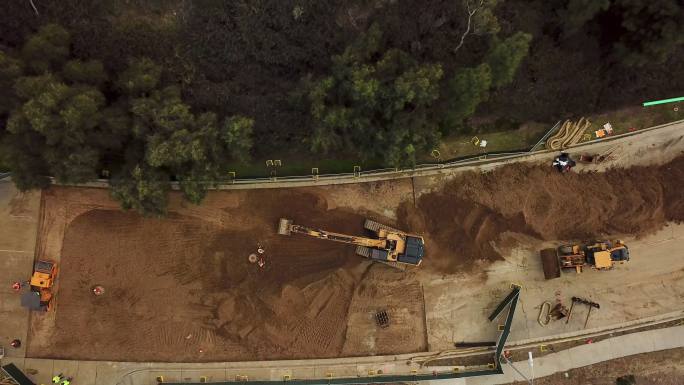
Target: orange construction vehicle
(41,295)
(600,255)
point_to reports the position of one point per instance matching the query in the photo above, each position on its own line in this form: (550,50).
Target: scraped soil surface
(182,288)
(463,221)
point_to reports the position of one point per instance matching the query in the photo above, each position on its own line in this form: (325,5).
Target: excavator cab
(413,253)
(602,254)
(619,252)
(43,274)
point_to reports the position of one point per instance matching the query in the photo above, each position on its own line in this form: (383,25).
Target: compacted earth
(183,288)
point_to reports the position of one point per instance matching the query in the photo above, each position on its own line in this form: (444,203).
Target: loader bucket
(284,226)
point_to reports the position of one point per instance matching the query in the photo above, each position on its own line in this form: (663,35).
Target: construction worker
(56,379)
(66,381)
(563,162)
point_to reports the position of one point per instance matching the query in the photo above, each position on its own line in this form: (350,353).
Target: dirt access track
(182,288)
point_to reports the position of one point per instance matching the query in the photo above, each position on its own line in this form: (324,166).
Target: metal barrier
(426,167)
(17,375)
(546,136)
(387,173)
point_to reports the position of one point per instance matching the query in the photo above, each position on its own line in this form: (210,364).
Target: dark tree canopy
(10,70)
(167,88)
(506,56)
(638,32)
(375,103)
(578,12)
(47,49)
(142,189)
(466,90)
(191,148)
(62,117)
(67,121)
(651,30)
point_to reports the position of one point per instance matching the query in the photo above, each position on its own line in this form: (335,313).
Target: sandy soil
(659,368)
(182,289)
(463,221)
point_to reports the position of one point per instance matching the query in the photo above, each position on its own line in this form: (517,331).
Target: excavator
(41,295)
(391,246)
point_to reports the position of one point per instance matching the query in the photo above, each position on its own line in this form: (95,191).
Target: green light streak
(653,103)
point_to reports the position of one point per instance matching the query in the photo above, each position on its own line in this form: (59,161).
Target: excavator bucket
(284,226)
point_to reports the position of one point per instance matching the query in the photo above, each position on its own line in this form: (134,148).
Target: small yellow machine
(391,245)
(41,295)
(600,255)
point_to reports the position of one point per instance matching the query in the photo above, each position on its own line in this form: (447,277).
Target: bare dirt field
(462,221)
(182,288)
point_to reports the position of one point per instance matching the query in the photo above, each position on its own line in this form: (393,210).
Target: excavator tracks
(376,227)
(363,251)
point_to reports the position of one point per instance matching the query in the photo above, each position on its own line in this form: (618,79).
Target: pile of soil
(457,233)
(672,180)
(462,222)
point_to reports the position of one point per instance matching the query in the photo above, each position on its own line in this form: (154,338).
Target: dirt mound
(454,227)
(462,222)
(672,176)
(573,205)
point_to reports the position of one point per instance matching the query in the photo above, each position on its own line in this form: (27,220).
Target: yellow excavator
(391,245)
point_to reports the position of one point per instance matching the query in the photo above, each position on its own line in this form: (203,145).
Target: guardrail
(421,169)
(390,173)
(546,136)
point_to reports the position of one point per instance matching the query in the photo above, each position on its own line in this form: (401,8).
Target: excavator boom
(337,237)
(391,247)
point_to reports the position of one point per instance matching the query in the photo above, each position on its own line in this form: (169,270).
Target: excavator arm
(391,247)
(286,227)
(337,237)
